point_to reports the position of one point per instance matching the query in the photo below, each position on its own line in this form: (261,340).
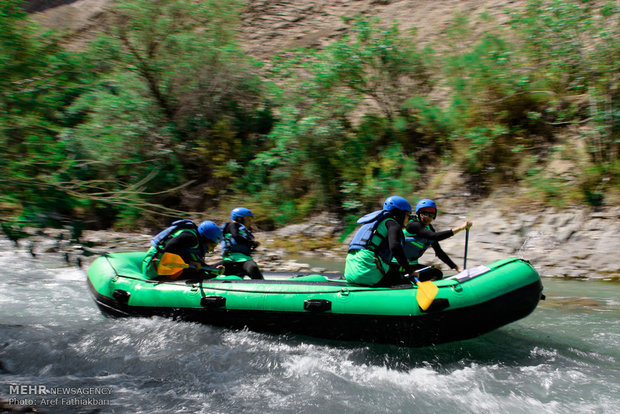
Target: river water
(59,353)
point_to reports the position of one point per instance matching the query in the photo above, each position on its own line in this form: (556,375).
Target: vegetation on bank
(164,114)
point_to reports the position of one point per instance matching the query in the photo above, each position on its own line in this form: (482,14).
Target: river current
(60,354)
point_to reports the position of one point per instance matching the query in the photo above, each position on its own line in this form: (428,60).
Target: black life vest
(230,245)
(415,246)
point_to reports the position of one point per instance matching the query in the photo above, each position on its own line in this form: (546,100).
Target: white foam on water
(557,360)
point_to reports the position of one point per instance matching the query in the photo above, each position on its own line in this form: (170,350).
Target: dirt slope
(270,26)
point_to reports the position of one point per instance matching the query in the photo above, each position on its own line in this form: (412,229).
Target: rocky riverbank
(575,243)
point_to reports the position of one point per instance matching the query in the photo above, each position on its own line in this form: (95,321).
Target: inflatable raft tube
(467,305)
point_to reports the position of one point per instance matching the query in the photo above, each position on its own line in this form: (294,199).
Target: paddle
(426,291)
(465,256)
(171,263)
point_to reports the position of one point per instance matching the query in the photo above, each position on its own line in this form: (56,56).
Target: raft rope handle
(202,287)
(405,287)
(156,282)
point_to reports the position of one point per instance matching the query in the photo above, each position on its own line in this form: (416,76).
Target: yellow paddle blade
(170,263)
(426,294)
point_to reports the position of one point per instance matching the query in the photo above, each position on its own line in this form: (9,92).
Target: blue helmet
(426,204)
(396,203)
(240,212)
(210,231)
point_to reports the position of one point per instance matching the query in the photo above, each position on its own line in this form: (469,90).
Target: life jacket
(159,241)
(415,246)
(367,237)
(230,245)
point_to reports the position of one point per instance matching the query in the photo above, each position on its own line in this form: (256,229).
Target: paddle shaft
(466,242)
(424,269)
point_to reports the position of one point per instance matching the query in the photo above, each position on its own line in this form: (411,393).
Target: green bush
(165,114)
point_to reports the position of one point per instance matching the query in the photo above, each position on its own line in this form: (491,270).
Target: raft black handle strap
(317,305)
(122,296)
(438,304)
(213,302)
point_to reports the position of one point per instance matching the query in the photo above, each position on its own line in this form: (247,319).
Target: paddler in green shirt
(375,244)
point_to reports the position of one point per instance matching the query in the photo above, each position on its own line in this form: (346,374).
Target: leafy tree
(573,47)
(337,109)
(511,98)
(380,64)
(37,80)
(165,114)
(493,98)
(164,100)
(199,97)
(177,104)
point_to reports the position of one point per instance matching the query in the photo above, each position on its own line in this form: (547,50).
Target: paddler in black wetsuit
(420,235)
(238,244)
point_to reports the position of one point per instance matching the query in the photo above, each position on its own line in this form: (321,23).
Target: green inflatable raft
(469,304)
